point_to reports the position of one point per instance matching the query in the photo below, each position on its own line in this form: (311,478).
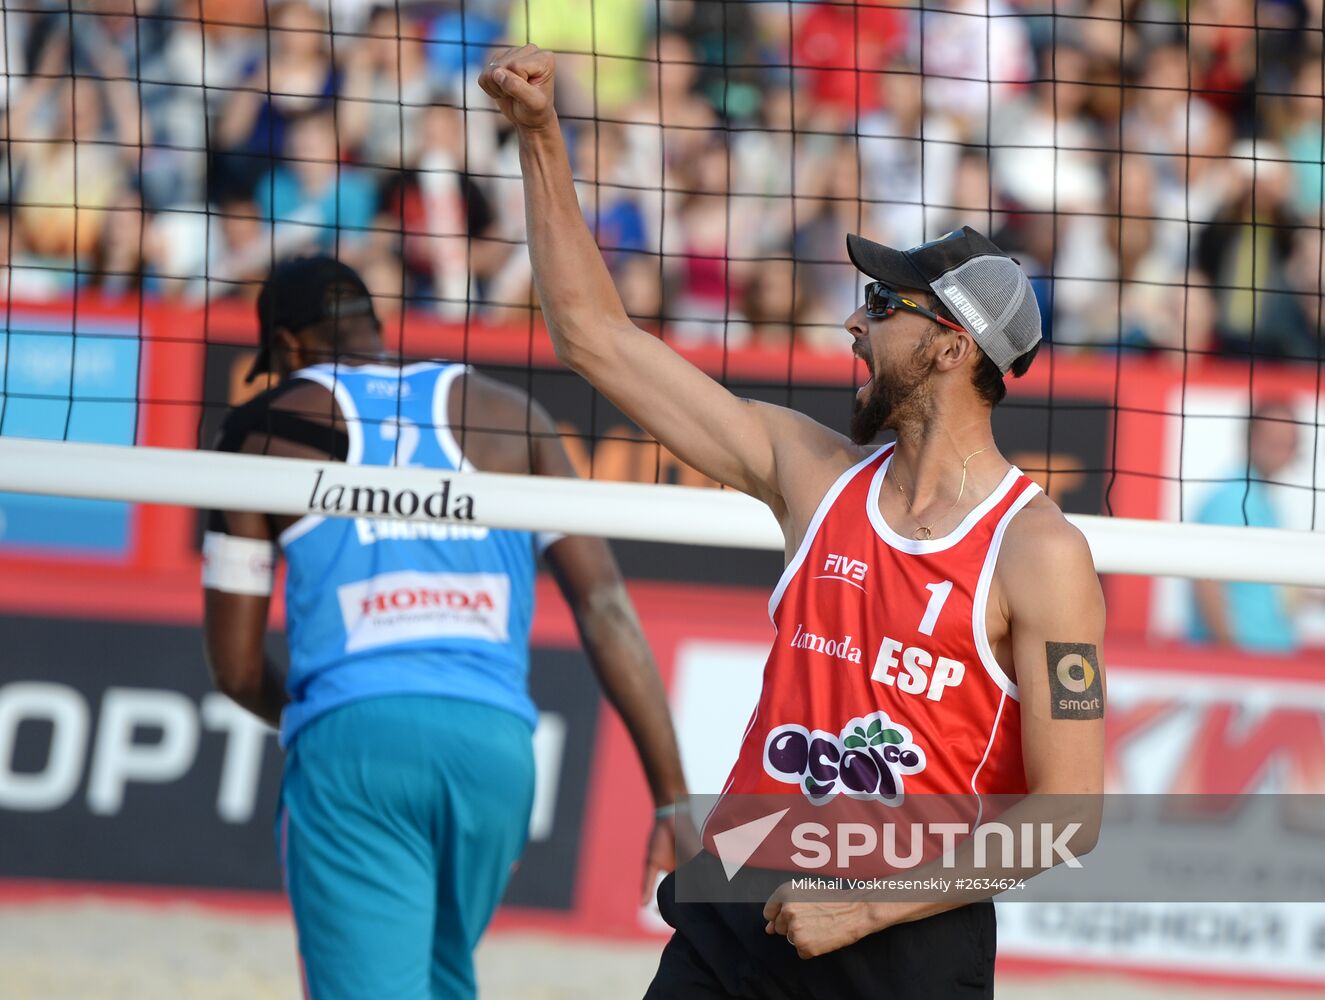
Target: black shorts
(720,951)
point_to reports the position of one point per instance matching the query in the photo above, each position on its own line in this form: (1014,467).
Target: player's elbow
(234,675)
(568,351)
(584,347)
(606,615)
(235,685)
(1087,835)
(1077,818)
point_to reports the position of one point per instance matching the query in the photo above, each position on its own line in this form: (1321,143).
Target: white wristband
(237,565)
(671,809)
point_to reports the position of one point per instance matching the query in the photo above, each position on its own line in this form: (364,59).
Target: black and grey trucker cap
(984,289)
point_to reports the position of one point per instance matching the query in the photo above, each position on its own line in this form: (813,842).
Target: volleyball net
(1157,168)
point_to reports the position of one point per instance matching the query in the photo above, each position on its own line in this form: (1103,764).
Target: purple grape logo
(866,760)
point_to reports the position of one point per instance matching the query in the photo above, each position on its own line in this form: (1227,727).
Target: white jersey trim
(325,376)
(441,396)
(993,734)
(980,603)
(385,371)
(820,513)
(919,547)
(749,726)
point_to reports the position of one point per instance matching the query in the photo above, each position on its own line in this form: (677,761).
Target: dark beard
(890,401)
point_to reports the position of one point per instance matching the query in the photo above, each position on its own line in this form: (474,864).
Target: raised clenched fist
(520,81)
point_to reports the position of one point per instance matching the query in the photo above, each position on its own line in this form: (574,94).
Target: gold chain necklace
(925,532)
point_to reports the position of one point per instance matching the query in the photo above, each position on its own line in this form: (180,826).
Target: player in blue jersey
(405,713)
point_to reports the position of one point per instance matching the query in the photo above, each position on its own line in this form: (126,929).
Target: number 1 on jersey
(938,594)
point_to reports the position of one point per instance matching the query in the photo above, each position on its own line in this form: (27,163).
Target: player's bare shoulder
(499,405)
(308,399)
(496,425)
(808,456)
(1045,556)
(296,419)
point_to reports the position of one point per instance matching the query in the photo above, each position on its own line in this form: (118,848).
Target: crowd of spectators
(1155,164)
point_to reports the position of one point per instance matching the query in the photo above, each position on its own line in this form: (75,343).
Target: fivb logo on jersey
(846,569)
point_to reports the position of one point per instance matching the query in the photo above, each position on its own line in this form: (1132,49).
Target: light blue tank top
(378,607)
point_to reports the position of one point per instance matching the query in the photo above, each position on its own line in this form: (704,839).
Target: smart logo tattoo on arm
(1076,689)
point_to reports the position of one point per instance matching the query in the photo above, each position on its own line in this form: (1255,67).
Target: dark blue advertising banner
(120,764)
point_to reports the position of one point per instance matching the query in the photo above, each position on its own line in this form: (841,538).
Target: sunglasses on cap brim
(881,302)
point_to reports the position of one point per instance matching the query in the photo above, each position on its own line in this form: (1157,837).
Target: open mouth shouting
(864,359)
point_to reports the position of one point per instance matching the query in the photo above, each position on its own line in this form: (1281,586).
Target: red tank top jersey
(881,681)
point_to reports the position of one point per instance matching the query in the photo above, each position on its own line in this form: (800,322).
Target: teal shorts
(401,819)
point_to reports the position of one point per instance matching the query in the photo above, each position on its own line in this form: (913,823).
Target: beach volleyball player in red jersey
(932,593)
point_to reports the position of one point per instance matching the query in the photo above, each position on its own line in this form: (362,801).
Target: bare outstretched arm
(736,441)
(516,435)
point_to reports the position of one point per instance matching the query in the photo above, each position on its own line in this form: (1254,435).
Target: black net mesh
(1156,167)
